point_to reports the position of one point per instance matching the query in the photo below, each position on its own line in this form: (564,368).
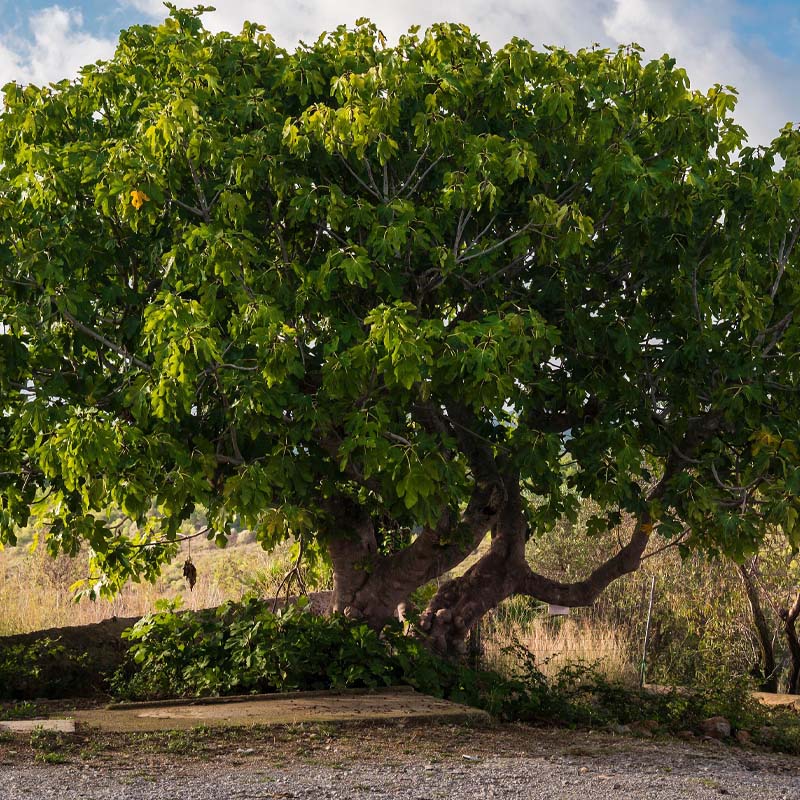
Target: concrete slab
(29,725)
(279,709)
(769,699)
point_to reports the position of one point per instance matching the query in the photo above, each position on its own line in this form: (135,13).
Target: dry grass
(34,588)
(34,594)
(557,642)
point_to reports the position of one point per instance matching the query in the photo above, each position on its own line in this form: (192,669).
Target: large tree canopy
(389,299)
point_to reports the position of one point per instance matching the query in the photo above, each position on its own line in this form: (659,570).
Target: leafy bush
(243,648)
(43,668)
(580,694)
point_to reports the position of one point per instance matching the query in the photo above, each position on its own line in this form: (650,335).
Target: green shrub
(43,668)
(243,648)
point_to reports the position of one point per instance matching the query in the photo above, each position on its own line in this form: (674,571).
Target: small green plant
(49,746)
(21,710)
(51,757)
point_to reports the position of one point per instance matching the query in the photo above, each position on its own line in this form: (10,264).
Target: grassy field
(35,594)
(557,642)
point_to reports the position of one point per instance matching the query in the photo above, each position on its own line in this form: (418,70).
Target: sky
(753,45)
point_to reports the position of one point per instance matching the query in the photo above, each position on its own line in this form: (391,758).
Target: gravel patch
(501,763)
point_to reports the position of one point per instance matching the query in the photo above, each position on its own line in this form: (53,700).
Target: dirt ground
(418,761)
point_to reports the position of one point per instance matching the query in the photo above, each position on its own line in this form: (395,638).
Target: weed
(51,757)
(92,750)
(50,747)
(21,710)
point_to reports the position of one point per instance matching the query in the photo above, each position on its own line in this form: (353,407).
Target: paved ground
(30,725)
(279,709)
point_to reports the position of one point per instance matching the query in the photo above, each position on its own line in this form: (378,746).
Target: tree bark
(371,586)
(352,548)
(789,617)
(770,682)
(585,592)
(503,571)
(461,602)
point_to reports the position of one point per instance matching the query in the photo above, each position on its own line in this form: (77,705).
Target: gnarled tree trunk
(503,571)
(372,586)
(461,602)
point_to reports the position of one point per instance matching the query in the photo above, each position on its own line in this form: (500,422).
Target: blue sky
(752,44)
(772,24)
(104,19)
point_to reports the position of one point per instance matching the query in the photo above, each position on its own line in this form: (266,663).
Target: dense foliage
(241,648)
(244,647)
(376,297)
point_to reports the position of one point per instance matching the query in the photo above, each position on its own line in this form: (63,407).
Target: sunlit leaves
(233,275)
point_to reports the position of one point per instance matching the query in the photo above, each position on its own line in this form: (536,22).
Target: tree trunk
(789,617)
(770,682)
(460,603)
(371,586)
(352,549)
(503,571)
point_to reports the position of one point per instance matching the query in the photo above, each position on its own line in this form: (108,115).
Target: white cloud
(701,37)
(59,48)
(572,23)
(11,65)
(698,33)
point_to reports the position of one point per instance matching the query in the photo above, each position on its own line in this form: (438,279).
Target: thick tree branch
(374,192)
(205,209)
(439,548)
(626,560)
(783,257)
(413,172)
(585,592)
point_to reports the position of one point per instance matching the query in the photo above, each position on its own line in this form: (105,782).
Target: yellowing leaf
(138,198)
